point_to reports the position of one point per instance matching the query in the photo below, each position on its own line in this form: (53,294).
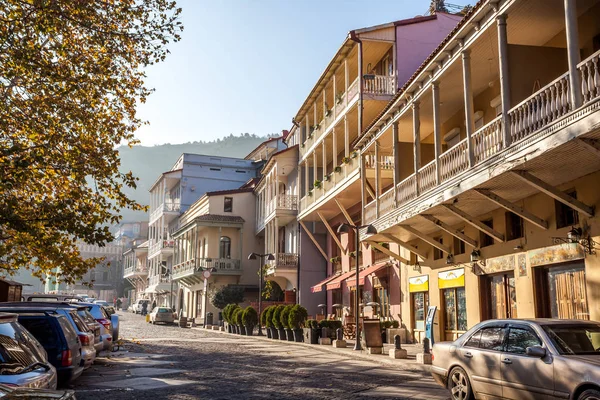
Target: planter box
(249,330)
(298,335)
(274,333)
(289,335)
(391,332)
(242,330)
(282,335)
(269,336)
(311,335)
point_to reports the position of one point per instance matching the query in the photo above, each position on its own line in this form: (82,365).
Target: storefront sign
(452,278)
(418,284)
(555,254)
(499,264)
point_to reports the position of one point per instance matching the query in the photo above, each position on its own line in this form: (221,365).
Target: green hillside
(147,163)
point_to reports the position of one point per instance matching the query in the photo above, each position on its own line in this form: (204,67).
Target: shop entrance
(560,292)
(498,296)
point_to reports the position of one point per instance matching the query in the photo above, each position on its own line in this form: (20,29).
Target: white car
(162,314)
(136,307)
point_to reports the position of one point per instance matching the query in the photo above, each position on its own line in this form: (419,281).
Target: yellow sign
(418,284)
(452,278)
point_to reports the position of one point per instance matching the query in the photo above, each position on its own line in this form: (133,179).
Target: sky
(248,65)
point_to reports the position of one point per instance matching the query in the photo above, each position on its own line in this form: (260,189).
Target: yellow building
(489,211)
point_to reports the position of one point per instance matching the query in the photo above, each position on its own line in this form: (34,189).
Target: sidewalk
(405,364)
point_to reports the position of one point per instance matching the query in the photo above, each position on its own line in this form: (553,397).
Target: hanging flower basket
(317,184)
(338,169)
(346,160)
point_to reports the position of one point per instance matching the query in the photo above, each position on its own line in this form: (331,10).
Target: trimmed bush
(250,317)
(276,318)
(297,316)
(227,312)
(311,323)
(236,316)
(269,316)
(284,317)
(263,316)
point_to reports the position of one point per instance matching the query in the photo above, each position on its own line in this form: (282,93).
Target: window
(492,338)
(514,226)
(381,297)
(474,340)
(420,304)
(104,276)
(459,245)
(519,339)
(225,247)
(455,309)
(573,339)
(228,204)
(565,215)
(498,296)
(437,253)
(484,239)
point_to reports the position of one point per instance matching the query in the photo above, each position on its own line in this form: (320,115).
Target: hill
(148,162)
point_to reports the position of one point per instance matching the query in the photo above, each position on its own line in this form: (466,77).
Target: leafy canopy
(71,75)
(227,295)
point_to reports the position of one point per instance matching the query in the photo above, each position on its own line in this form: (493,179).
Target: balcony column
(363,186)
(396,150)
(346,77)
(346,137)
(574,58)
(276,187)
(324,102)
(219,242)
(377,178)
(276,235)
(437,129)
(306,177)
(416,143)
(241,246)
(307,128)
(334,149)
(315,122)
(324,159)
(504,77)
(334,96)
(469,111)
(315,168)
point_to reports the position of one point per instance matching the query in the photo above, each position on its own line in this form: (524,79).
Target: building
(171,195)
(488,207)
(357,84)
(212,244)
(135,269)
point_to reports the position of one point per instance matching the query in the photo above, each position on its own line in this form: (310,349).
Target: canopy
(319,286)
(337,282)
(351,281)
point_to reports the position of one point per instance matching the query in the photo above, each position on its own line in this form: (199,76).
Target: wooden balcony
(168,207)
(137,270)
(161,247)
(191,271)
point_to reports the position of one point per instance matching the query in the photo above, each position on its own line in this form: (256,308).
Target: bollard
(339,341)
(426,348)
(397,344)
(425,357)
(339,334)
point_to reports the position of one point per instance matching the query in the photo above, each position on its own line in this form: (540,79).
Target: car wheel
(590,394)
(459,385)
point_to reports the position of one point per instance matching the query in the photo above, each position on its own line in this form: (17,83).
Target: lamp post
(261,257)
(345,228)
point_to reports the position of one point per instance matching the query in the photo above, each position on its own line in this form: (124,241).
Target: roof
(262,144)
(423,65)
(163,174)
(266,166)
(337,283)
(230,191)
(319,286)
(13,283)
(220,218)
(351,281)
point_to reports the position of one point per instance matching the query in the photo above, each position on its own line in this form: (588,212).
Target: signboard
(418,284)
(451,279)
(429,323)
(555,254)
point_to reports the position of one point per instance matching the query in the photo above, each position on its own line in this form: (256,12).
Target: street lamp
(345,228)
(269,257)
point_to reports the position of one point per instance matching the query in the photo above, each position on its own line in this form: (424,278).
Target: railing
(285,260)
(371,211)
(488,140)
(352,90)
(167,206)
(158,279)
(385,162)
(135,269)
(287,202)
(155,247)
(379,85)
(387,201)
(590,77)
(427,177)
(454,160)
(406,190)
(546,105)
(198,265)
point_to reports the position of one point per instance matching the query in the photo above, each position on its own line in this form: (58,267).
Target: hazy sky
(247,65)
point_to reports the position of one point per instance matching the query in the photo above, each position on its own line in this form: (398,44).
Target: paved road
(166,362)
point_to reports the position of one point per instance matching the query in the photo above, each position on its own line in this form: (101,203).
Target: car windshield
(575,339)
(163,310)
(16,350)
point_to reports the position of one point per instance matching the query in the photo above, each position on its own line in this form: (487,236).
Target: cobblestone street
(167,362)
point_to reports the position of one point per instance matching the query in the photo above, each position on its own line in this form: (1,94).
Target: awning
(337,282)
(319,286)
(351,281)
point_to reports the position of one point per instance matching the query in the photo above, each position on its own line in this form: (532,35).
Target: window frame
(222,240)
(480,332)
(562,211)
(510,218)
(486,240)
(522,327)
(228,204)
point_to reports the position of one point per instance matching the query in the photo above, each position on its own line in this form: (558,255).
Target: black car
(59,339)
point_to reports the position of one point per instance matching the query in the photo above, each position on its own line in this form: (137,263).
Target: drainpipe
(355,38)
(298,281)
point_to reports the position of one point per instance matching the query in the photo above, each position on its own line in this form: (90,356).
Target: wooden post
(377,179)
(437,129)
(324,159)
(334,156)
(346,137)
(573,52)
(468,93)
(504,78)
(416,143)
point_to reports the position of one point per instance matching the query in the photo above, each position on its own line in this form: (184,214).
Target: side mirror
(535,351)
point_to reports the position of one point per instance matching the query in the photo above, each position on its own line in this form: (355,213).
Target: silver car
(162,315)
(522,359)
(23,360)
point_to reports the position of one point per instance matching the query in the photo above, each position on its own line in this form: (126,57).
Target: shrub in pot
(311,331)
(225,316)
(263,321)
(227,312)
(269,323)
(285,315)
(296,318)
(249,319)
(233,318)
(236,318)
(276,320)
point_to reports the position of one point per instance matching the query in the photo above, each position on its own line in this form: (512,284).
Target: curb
(406,364)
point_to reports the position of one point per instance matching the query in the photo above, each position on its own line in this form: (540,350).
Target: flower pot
(311,335)
(289,333)
(249,330)
(282,335)
(274,333)
(269,336)
(242,330)
(298,335)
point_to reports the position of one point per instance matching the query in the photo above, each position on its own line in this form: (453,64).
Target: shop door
(498,296)
(567,292)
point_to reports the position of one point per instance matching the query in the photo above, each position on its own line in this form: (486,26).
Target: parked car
(106,326)
(163,315)
(109,307)
(51,297)
(23,360)
(93,325)
(86,334)
(522,359)
(137,305)
(12,393)
(59,339)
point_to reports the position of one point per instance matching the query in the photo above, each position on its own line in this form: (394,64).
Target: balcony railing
(135,270)
(590,77)
(371,211)
(406,190)
(380,85)
(488,140)
(385,162)
(167,206)
(155,247)
(158,279)
(198,265)
(284,260)
(454,160)
(387,201)
(427,176)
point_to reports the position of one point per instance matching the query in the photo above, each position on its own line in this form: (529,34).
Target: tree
(227,295)
(71,75)
(437,5)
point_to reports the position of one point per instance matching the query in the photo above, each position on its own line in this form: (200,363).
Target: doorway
(498,296)
(561,292)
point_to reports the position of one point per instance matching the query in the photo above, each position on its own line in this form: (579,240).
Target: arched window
(225,247)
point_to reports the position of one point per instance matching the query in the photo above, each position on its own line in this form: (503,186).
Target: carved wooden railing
(487,141)
(427,177)
(380,85)
(590,77)
(454,160)
(406,190)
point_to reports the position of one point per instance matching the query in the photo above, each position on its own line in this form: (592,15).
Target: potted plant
(335,260)
(276,319)
(334,325)
(354,154)
(226,317)
(264,322)
(393,330)
(315,127)
(327,177)
(296,318)
(338,169)
(232,320)
(269,323)
(285,314)
(310,193)
(237,317)
(317,184)
(346,160)
(311,331)
(339,97)
(328,113)
(249,319)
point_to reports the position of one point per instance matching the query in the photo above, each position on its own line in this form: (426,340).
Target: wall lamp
(579,236)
